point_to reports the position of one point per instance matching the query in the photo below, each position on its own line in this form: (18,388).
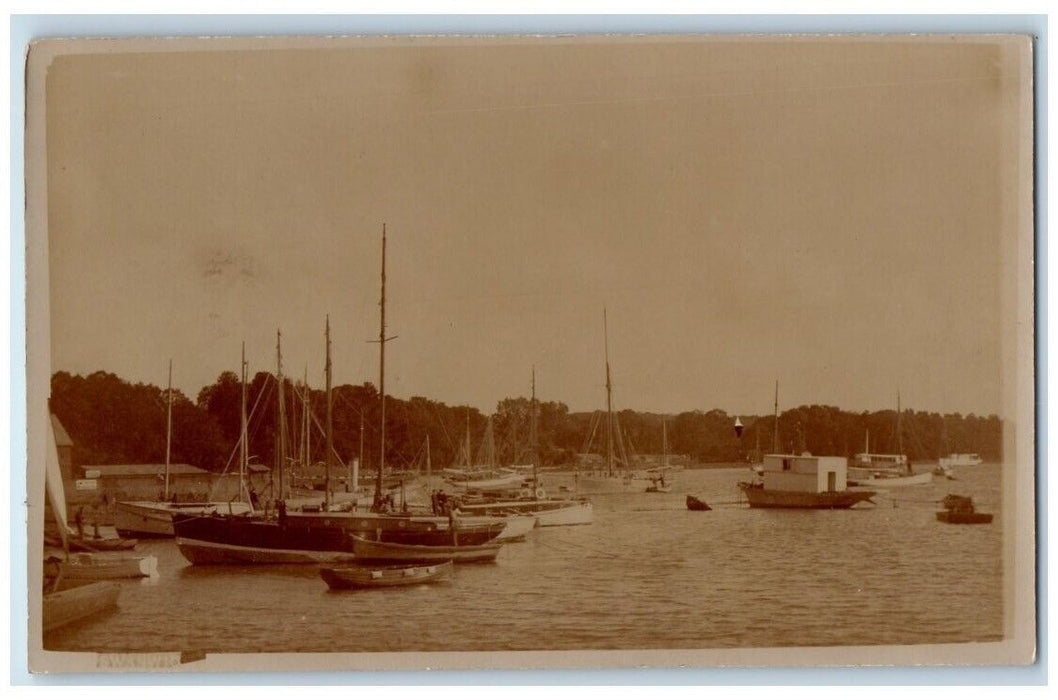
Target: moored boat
(155,518)
(886,479)
(352,577)
(370,551)
(86,566)
(696,504)
(960,510)
(803,481)
(77,603)
(235,539)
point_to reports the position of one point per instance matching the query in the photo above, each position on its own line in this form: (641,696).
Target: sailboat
(155,518)
(613,480)
(533,501)
(66,601)
(886,470)
(485,476)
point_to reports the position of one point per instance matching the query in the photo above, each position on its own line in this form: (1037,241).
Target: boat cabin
(874,460)
(805,473)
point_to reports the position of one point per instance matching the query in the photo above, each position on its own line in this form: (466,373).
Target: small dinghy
(100,567)
(696,504)
(959,510)
(102,544)
(384,576)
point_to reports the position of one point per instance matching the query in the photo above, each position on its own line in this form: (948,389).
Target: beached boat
(370,551)
(803,481)
(384,576)
(696,504)
(77,603)
(960,510)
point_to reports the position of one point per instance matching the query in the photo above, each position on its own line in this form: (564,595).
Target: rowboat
(102,566)
(77,603)
(384,576)
(369,551)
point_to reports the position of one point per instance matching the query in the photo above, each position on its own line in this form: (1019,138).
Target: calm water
(647,574)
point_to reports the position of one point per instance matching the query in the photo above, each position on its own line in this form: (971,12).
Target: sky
(831,214)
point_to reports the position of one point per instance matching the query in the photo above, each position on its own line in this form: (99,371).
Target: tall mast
(899,432)
(609,398)
(306,430)
(467,441)
(775,439)
(330,430)
(360,462)
(382,373)
(429,466)
(532,428)
(664,443)
(168,427)
(281,445)
(243,447)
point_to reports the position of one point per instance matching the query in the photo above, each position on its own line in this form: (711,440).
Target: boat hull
(885,481)
(104,567)
(601,485)
(147,519)
(955,518)
(358,577)
(759,497)
(424,530)
(237,539)
(77,604)
(547,513)
(205,553)
(369,551)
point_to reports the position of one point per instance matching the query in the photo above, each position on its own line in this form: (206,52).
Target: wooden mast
(382,374)
(664,443)
(330,429)
(243,433)
(775,439)
(168,427)
(609,398)
(532,430)
(281,447)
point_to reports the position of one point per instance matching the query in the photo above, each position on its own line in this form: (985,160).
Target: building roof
(62,438)
(145,470)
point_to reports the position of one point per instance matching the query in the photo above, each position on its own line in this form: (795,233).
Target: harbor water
(647,573)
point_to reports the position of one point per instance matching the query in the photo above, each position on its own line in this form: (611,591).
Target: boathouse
(805,473)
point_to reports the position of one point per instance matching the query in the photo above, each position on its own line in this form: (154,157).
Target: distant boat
(384,576)
(533,500)
(887,470)
(886,479)
(369,551)
(967,459)
(960,510)
(803,481)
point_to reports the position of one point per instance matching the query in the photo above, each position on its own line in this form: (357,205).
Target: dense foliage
(112,421)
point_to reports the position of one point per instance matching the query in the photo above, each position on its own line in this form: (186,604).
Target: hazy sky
(828,214)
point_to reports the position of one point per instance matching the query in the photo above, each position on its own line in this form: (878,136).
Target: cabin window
(786,465)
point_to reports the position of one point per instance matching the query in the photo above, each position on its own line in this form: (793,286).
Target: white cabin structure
(805,473)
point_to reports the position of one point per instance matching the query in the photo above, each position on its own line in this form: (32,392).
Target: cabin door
(832,481)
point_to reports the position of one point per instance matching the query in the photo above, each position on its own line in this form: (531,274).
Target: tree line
(112,421)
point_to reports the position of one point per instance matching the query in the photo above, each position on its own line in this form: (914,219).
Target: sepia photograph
(472,352)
